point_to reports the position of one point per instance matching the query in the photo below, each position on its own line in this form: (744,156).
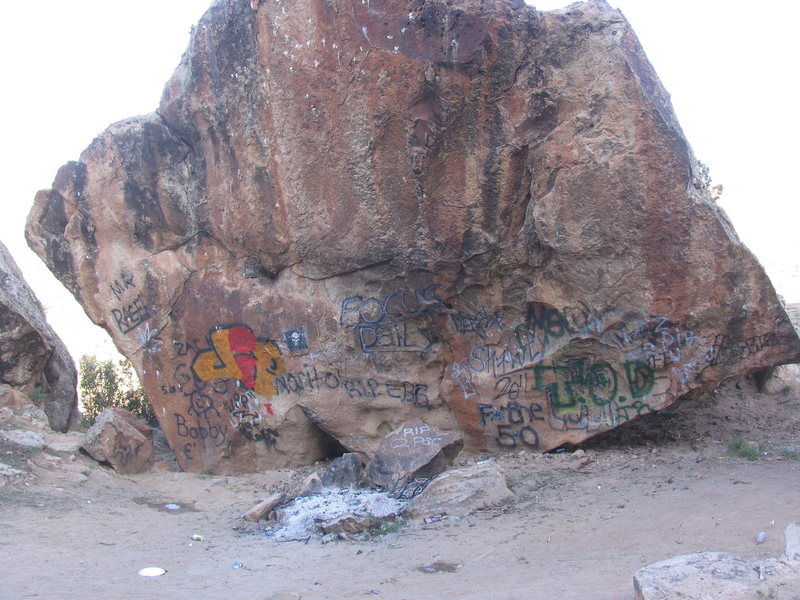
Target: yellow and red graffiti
(238,354)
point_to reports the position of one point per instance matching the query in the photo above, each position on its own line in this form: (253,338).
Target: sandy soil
(578,528)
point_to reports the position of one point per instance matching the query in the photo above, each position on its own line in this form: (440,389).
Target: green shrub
(740,447)
(108,383)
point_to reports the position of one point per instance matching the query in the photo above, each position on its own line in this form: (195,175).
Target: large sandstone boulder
(345,215)
(35,366)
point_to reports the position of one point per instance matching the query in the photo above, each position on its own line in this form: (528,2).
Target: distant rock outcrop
(35,366)
(345,215)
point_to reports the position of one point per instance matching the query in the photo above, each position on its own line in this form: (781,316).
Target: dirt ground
(578,528)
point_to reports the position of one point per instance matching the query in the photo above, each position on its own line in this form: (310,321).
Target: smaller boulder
(705,574)
(412,451)
(11,397)
(122,440)
(27,416)
(349,523)
(346,471)
(783,379)
(23,437)
(263,508)
(311,485)
(459,492)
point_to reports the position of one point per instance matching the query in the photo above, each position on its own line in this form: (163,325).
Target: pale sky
(71,68)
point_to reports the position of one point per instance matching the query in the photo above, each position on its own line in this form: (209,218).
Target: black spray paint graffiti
(311,380)
(124,453)
(497,360)
(119,286)
(200,405)
(726,350)
(513,421)
(658,339)
(385,325)
(131,314)
(131,310)
(307,380)
(246,418)
(199,431)
(626,413)
(404,391)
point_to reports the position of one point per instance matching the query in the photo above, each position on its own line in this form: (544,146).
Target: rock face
(348,214)
(35,366)
(121,439)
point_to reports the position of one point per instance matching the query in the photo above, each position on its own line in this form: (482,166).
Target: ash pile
(408,479)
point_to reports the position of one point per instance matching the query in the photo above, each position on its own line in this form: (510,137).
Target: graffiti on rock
(514,422)
(125,453)
(296,339)
(205,431)
(461,373)
(148,339)
(311,380)
(726,350)
(388,324)
(224,386)
(236,353)
(478,323)
(247,418)
(130,310)
(412,437)
(120,285)
(560,370)
(130,315)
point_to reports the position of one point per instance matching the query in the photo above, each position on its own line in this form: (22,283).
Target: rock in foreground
(122,440)
(413,451)
(347,215)
(459,492)
(723,575)
(35,366)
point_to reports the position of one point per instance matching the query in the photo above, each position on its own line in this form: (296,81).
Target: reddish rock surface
(345,215)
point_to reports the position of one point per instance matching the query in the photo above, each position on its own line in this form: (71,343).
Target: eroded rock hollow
(346,214)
